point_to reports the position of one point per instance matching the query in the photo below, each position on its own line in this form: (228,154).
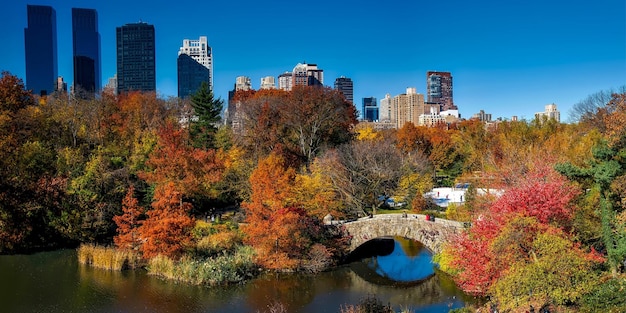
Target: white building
(200,51)
(243,83)
(268,82)
(384,112)
(551,112)
(285,81)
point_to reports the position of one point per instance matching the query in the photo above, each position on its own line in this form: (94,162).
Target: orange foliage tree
(281,232)
(167,230)
(129,222)
(191,171)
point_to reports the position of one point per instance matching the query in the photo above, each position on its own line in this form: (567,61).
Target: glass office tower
(86,43)
(136,69)
(40,43)
(195,65)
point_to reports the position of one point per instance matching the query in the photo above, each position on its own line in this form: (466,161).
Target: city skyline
(506,58)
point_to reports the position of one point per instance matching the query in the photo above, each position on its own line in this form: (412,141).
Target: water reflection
(409,261)
(55,282)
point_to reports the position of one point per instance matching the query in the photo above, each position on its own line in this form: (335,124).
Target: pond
(55,282)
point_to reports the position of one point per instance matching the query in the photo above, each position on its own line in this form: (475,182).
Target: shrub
(319,259)
(609,296)
(218,270)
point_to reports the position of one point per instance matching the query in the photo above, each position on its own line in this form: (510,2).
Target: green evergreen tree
(608,164)
(207,112)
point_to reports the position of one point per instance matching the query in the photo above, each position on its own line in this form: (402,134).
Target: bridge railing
(394,216)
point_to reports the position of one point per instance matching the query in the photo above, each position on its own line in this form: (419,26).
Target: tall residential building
(61,85)
(307,75)
(370,109)
(234,115)
(408,107)
(385,109)
(268,82)
(86,52)
(195,65)
(439,90)
(285,81)
(551,112)
(136,69)
(40,43)
(482,116)
(111,85)
(346,87)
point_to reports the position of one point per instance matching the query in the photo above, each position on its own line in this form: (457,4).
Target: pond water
(55,282)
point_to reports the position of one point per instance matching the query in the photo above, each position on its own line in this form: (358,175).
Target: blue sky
(506,57)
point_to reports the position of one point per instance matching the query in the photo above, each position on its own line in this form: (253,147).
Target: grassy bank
(108,258)
(218,270)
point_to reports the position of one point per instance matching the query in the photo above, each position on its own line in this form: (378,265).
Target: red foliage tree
(541,201)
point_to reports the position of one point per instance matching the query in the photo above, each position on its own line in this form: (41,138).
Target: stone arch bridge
(431,233)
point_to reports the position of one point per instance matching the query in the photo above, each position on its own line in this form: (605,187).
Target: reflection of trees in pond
(292,290)
(424,293)
(134,290)
(411,247)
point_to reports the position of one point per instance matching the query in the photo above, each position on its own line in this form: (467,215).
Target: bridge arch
(432,234)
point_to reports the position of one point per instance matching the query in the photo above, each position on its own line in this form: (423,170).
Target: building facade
(346,87)
(551,112)
(370,109)
(407,108)
(234,115)
(285,81)
(268,82)
(136,57)
(307,75)
(384,112)
(194,66)
(439,90)
(86,51)
(40,48)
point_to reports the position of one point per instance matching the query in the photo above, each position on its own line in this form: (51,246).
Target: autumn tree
(270,223)
(482,255)
(314,191)
(190,170)
(167,228)
(363,171)
(129,222)
(31,194)
(558,272)
(300,122)
(207,110)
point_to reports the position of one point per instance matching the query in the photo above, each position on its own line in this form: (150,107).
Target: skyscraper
(86,43)
(439,90)
(345,85)
(195,65)
(40,43)
(370,109)
(136,68)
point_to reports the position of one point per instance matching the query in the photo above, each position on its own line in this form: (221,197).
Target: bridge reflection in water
(393,261)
